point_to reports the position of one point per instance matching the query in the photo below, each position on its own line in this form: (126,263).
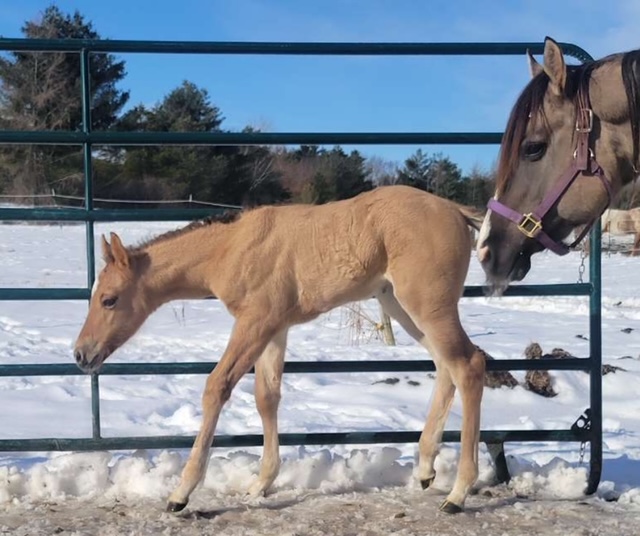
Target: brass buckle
(589,117)
(530,226)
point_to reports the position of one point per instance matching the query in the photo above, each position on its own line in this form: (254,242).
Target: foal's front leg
(247,342)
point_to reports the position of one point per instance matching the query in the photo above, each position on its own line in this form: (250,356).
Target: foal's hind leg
(437,317)
(248,340)
(442,396)
(465,365)
(267,392)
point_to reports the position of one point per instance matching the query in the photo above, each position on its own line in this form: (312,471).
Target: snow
(43,332)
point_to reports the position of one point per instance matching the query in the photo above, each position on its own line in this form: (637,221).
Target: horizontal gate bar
(255,440)
(59,137)
(108,215)
(475,291)
(291,367)
(278,48)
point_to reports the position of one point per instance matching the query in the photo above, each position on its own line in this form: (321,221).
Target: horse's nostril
(78,356)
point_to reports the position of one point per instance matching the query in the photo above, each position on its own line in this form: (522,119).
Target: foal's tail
(473,216)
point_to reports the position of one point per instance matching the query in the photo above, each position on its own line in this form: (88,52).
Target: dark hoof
(450,508)
(427,482)
(175,507)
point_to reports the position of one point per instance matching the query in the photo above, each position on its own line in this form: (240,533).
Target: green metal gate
(587,429)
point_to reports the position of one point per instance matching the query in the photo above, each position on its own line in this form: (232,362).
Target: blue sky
(401,94)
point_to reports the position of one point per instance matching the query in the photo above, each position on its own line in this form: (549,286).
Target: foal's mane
(224,218)
(529,105)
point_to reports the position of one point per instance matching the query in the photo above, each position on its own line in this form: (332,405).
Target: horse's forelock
(528,106)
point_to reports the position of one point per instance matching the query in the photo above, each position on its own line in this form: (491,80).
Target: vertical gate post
(85,71)
(595,352)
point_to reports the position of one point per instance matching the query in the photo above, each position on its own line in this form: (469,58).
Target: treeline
(42,91)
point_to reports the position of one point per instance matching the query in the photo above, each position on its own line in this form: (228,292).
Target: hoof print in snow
(388,381)
(626,330)
(606,369)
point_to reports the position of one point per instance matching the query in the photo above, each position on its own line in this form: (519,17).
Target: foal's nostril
(78,356)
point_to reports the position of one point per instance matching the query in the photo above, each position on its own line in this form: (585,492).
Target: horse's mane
(529,105)
(631,80)
(228,216)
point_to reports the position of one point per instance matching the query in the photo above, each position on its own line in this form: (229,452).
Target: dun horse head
(570,144)
(117,307)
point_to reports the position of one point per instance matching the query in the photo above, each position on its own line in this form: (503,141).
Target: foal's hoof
(175,506)
(427,482)
(450,508)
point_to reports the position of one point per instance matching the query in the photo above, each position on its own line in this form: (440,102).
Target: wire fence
(55,200)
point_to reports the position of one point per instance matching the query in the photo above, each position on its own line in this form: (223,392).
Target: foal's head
(539,151)
(117,308)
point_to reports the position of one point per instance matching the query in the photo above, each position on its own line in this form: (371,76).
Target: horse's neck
(611,104)
(181,266)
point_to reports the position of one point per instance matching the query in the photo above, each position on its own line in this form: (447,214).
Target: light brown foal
(274,267)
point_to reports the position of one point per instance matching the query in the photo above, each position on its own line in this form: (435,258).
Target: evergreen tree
(349,174)
(416,171)
(436,174)
(42,91)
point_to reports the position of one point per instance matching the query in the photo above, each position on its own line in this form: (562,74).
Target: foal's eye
(533,150)
(109,303)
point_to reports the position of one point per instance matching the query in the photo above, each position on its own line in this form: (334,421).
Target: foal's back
(327,255)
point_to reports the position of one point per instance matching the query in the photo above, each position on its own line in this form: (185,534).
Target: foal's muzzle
(88,359)
(503,265)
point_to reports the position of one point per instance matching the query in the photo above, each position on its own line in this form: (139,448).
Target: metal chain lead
(582,267)
(583,447)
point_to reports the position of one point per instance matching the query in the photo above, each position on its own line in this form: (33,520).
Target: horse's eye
(533,150)
(109,303)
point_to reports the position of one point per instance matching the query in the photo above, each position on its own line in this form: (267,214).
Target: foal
(274,267)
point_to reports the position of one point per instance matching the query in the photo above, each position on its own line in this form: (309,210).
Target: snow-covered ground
(43,332)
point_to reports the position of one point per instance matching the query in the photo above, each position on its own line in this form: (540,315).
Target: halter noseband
(530,224)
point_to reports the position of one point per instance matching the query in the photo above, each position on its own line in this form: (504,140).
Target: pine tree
(42,91)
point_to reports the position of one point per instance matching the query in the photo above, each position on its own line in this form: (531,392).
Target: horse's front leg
(247,342)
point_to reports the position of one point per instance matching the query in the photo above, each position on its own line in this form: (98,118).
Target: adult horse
(571,143)
(274,267)
(623,222)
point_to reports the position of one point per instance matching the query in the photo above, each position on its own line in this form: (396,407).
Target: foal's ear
(107,256)
(119,252)
(554,66)
(534,67)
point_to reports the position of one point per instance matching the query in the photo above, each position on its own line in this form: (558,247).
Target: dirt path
(397,511)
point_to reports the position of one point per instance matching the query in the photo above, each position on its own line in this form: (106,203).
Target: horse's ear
(554,66)
(534,67)
(106,251)
(119,252)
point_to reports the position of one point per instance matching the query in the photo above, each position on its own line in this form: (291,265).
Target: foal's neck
(182,266)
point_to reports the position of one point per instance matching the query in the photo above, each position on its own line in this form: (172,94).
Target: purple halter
(583,160)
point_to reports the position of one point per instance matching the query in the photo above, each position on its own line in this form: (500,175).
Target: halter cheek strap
(583,161)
